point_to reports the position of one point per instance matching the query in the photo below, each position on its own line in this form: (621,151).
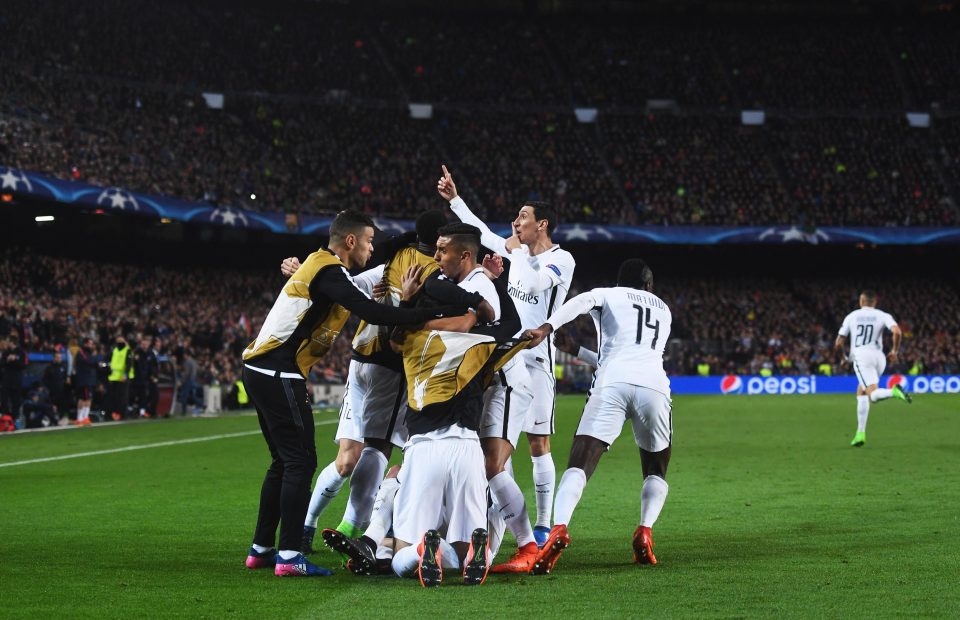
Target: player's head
(536,220)
(457,248)
(428,224)
(635,273)
(868,298)
(351,237)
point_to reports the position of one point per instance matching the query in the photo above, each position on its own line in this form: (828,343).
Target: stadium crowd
(315,116)
(781,327)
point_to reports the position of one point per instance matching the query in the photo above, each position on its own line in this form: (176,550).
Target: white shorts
(505,408)
(349,426)
(609,407)
(381,400)
(543,387)
(868,366)
(441,481)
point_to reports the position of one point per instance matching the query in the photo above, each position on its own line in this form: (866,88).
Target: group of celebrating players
(452,361)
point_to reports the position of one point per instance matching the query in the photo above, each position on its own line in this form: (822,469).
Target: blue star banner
(115,199)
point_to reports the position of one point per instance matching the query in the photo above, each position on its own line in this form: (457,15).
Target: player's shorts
(610,406)
(543,387)
(85,392)
(505,405)
(380,399)
(441,481)
(349,426)
(868,366)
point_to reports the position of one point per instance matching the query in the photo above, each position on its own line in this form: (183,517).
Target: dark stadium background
(835,79)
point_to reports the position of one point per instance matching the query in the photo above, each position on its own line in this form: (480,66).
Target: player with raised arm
(539,278)
(865,328)
(633,326)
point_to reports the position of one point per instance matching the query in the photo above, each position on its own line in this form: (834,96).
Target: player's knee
(345,464)
(539,444)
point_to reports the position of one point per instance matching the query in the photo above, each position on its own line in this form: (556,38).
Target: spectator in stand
(55,379)
(13,360)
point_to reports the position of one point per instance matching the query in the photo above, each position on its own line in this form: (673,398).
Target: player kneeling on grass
(629,384)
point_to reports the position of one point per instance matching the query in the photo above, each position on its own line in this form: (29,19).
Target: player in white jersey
(864,328)
(633,326)
(540,276)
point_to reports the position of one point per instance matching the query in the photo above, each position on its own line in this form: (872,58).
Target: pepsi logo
(731,384)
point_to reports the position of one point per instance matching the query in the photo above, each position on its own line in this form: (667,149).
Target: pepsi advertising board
(751,385)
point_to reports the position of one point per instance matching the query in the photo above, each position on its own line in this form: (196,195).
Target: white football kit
(864,328)
(538,286)
(629,383)
(442,478)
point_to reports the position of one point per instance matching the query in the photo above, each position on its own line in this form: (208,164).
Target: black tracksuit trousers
(286,421)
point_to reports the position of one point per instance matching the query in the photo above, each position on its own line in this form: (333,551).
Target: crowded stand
(477,61)
(314,114)
(537,157)
(866,172)
(705,171)
(623,65)
(771,325)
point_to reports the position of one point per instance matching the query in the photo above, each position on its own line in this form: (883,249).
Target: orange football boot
(521,561)
(558,540)
(643,546)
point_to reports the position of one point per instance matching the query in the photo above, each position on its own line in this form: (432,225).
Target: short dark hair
(635,273)
(349,222)
(870,295)
(544,211)
(463,236)
(428,224)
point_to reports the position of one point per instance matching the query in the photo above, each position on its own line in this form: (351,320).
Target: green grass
(770,513)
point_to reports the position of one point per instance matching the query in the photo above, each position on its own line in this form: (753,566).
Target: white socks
(512,506)
(325,489)
(880,394)
(382,516)
(261,548)
(863,410)
(363,487)
(406,562)
(652,497)
(544,479)
(495,528)
(288,554)
(568,495)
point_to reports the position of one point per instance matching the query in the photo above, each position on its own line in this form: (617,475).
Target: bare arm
(897,338)
(448,190)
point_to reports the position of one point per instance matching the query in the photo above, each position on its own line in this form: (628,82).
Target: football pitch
(770,513)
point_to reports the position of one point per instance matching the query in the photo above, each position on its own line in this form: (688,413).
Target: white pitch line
(142,447)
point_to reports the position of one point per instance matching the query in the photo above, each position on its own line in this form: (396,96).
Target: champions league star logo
(389,226)
(225,216)
(14,179)
(579,233)
(116,198)
(795,234)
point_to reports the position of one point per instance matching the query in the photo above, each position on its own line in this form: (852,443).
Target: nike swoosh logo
(490,425)
(539,423)
(545,484)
